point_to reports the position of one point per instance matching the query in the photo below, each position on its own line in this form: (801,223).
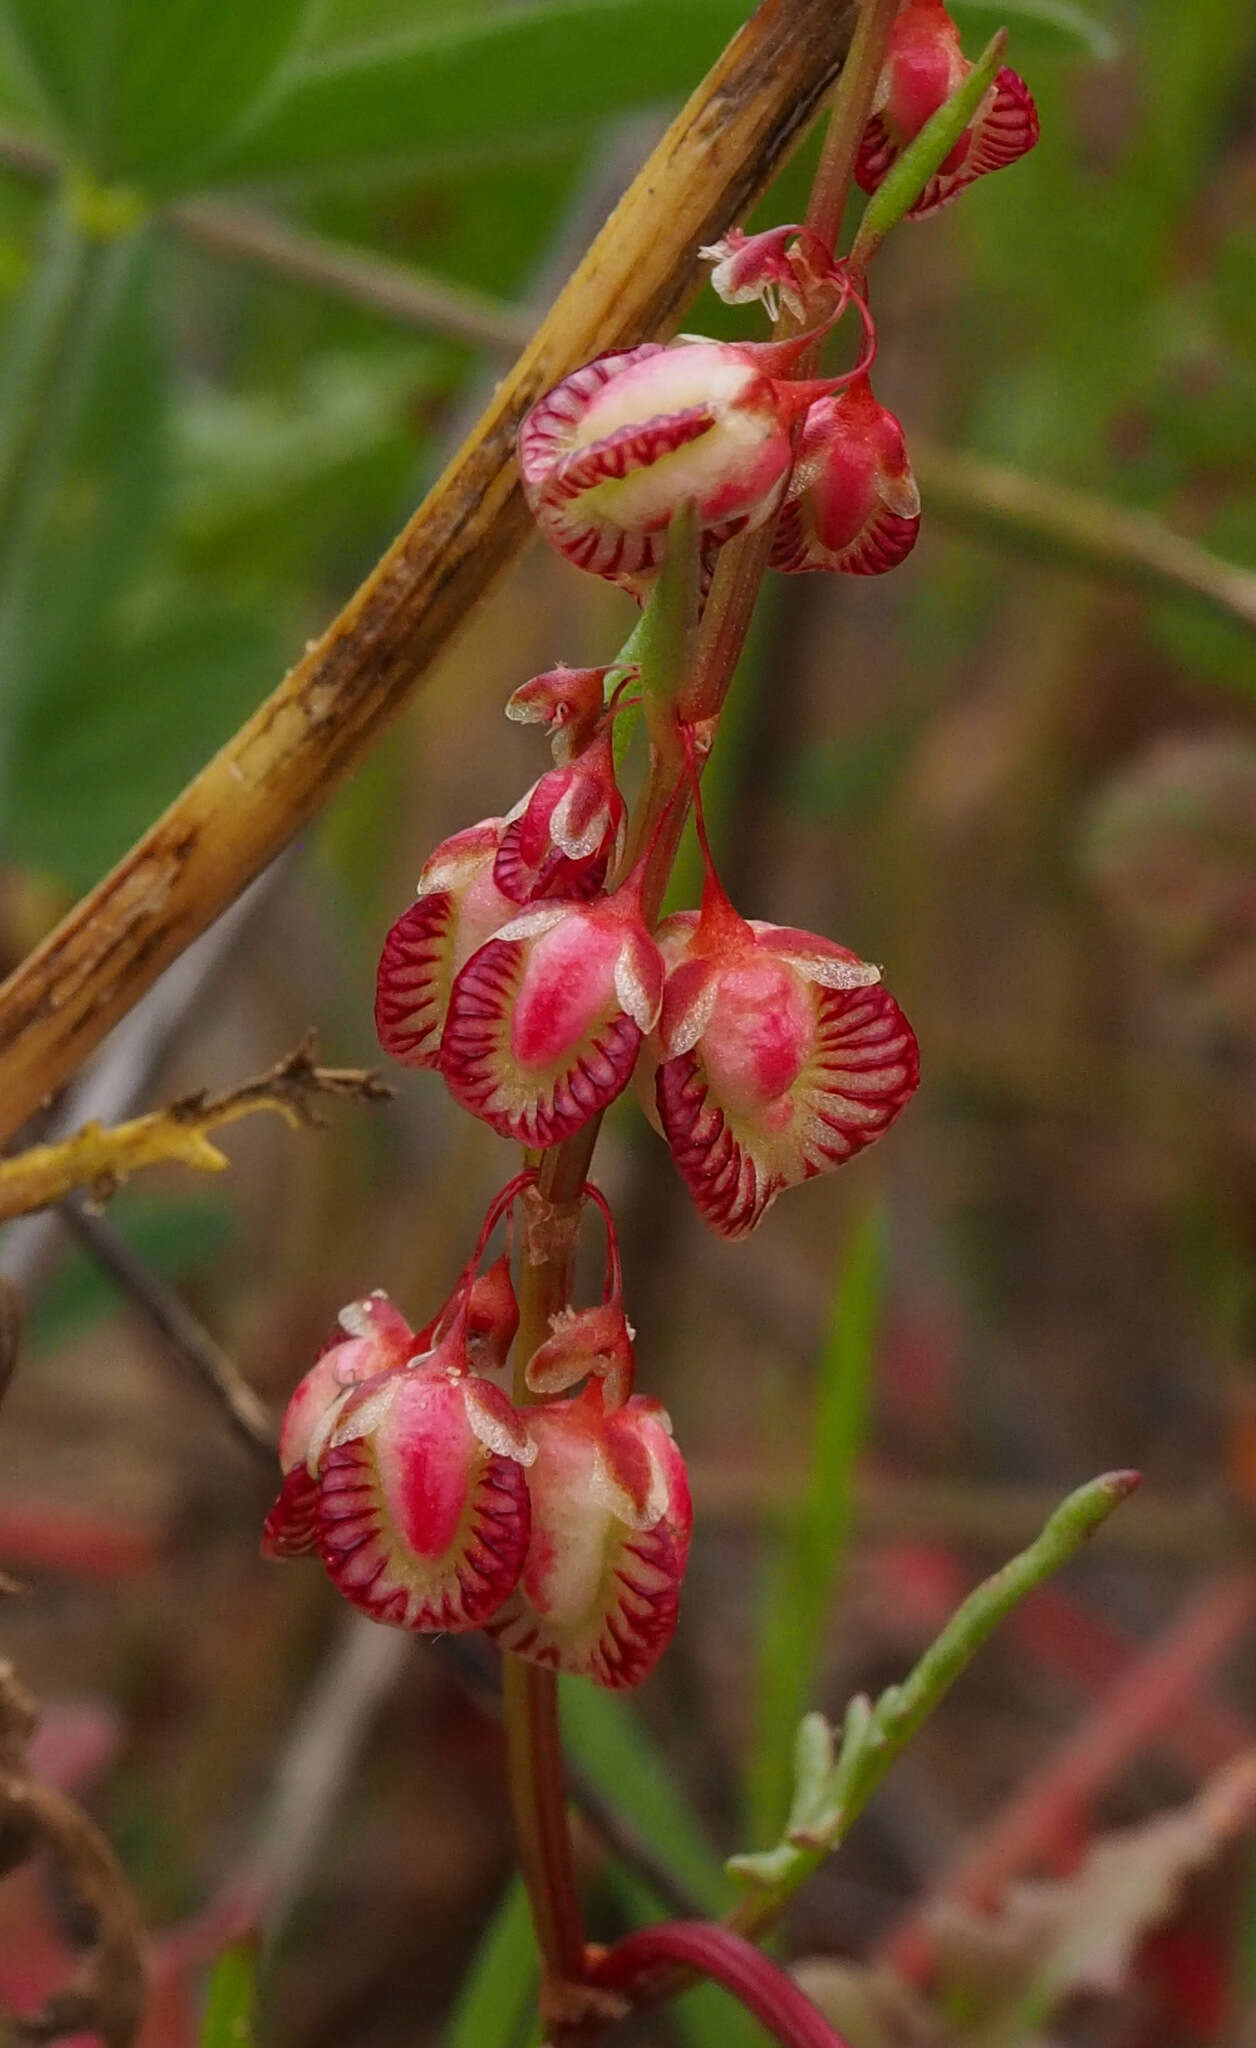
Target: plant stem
(534,1741)
(716,1952)
(852,103)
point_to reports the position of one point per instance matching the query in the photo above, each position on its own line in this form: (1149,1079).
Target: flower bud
(423,1510)
(852,502)
(569,702)
(586,1343)
(777,1057)
(561,839)
(492,1318)
(611,1517)
(459,905)
(607,457)
(371,1337)
(546,1019)
(923,68)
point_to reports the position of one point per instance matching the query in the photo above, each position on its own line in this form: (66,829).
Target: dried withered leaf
(870,2007)
(105,1993)
(1050,1942)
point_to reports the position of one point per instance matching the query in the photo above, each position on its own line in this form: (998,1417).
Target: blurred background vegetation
(1027,787)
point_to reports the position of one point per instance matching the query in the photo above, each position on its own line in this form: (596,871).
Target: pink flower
(852,502)
(371,1337)
(784,266)
(459,905)
(925,65)
(608,455)
(423,1512)
(778,1056)
(561,839)
(569,702)
(611,1517)
(546,1019)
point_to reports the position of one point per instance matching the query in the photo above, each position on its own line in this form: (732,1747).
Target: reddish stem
(726,1958)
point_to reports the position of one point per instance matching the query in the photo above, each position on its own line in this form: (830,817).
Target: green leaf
(834,1782)
(498,1999)
(231,2005)
(499,83)
(803,1578)
(606,1736)
(139,90)
(81,458)
(110,737)
(1052,25)
(608,1739)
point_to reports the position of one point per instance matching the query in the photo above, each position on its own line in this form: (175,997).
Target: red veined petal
(862,1067)
(421,1524)
(599,1594)
(291,1527)
(540,1034)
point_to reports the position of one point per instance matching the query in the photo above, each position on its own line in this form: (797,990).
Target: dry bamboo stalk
(296,750)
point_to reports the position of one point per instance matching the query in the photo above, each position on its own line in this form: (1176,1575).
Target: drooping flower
(546,1019)
(371,1337)
(784,266)
(458,906)
(924,67)
(778,1055)
(589,1343)
(492,1318)
(609,455)
(423,1508)
(611,1518)
(852,502)
(560,840)
(569,702)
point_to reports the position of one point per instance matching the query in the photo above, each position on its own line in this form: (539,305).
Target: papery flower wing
(852,506)
(562,838)
(600,1588)
(458,906)
(291,1526)
(423,1516)
(861,1067)
(546,1019)
(372,1336)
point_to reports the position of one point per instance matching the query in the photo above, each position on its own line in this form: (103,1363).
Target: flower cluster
(437,1505)
(527,974)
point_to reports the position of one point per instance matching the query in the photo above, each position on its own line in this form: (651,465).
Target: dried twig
(293,754)
(163,1307)
(105,1994)
(1053,521)
(100,1160)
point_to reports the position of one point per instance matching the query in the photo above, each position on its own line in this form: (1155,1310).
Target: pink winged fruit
(372,1336)
(458,906)
(852,502)
(561,839)
(609,454)
(546,1019)
(778,1055)
(423,1509)
(611,1518)
(923,67)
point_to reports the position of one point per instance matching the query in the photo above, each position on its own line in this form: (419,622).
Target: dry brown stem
(105,1994)
(101,1159)
(296,750)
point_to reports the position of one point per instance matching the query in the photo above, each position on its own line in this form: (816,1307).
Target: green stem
(906,180)
(832,1792)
